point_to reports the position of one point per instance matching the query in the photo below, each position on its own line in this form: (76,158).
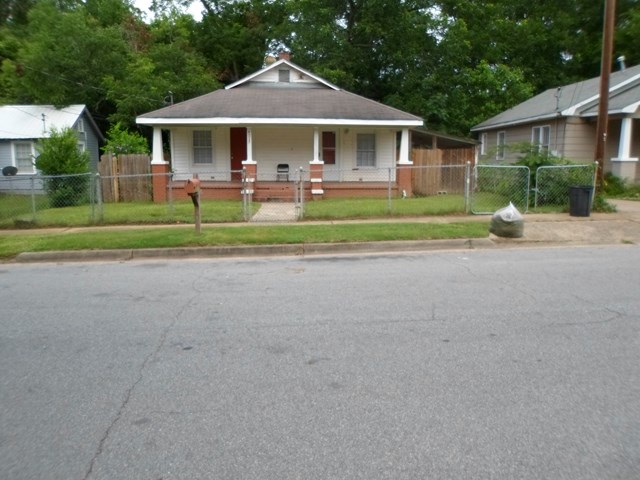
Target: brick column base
(251,170)
(403,179)
(160,181)
(316,171)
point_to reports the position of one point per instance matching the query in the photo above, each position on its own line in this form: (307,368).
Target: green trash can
(580,200)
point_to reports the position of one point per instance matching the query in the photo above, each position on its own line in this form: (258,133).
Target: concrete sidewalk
(622,227)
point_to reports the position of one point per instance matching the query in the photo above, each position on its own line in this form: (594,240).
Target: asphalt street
(476,364)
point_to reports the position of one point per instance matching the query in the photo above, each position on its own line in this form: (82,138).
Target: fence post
(301,193)
(595,182)
(245,203)
(99,198)
(467,186)
(389,190)
(92,199)
(33,200)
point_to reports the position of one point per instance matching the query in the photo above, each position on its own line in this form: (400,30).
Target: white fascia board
(278,121)
(513,123)
(571,111)
(632,108)
(276,64)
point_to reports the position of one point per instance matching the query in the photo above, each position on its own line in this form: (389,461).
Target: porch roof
(276,105)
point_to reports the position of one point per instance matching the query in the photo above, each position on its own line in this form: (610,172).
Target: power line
(86,85)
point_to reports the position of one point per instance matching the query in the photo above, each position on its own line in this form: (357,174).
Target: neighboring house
(562,121)
(22,126)
(278,120)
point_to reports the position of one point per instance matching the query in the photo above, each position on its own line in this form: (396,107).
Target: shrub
(120,141)
(60,158)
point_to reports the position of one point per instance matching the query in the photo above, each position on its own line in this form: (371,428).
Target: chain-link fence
(553,183)
(495,186)
(77,200)
(71,199)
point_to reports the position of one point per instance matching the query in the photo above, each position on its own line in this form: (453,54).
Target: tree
(235,36)
(63,58)
(368,47)
(166,68)
(60,159)
(121,141)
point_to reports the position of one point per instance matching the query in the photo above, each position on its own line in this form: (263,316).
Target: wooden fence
(126,178)
(438,172)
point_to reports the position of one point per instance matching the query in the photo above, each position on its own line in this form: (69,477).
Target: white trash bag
(507,222)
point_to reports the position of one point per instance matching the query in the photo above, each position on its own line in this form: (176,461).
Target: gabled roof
(577,99)
(276,65)
(263,99)
(26,122)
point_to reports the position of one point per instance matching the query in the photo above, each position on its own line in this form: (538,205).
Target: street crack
(129,391)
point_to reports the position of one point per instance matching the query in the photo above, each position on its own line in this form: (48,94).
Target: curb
(124,255)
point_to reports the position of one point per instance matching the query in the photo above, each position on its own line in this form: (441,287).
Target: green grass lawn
(17,212)
(350,208)
(14,243)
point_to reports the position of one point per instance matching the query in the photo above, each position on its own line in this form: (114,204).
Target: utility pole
(605,71)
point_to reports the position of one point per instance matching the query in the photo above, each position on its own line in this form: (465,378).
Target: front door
(238,151)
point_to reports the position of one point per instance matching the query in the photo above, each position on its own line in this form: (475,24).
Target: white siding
(273,145)
(272,76)
(182,155)
(291,145)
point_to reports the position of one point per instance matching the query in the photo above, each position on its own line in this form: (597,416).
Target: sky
(195,9)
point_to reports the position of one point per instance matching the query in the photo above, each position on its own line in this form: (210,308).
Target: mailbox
(192,186)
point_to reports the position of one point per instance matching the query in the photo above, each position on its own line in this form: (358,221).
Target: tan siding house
(562,121)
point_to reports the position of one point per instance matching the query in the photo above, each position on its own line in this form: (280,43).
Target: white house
(275,121)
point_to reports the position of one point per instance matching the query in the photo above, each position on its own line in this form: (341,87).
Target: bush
(60,157)
(613,185)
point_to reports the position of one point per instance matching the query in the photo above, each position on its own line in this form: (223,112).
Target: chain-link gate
(495,186)
(553,183)
(279,199)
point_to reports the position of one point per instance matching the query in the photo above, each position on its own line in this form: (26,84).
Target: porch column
(157,156)
(403,168)
(624,166)
(250,166)
(316,167)
(404,147)
(159,168)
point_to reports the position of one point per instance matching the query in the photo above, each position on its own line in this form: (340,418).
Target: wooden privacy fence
(125,178)
(440,171)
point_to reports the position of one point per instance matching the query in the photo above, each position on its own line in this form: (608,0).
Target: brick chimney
(284,56)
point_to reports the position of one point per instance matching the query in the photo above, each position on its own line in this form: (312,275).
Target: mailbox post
(192,187)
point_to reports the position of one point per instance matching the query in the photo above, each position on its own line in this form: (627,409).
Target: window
(283,76)
(483,144)
(501,142)
(80,125)
(23,153)
(540,139)
(366,150)
(329,148)
(202,147)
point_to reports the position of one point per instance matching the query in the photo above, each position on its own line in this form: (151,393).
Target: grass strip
(15,243)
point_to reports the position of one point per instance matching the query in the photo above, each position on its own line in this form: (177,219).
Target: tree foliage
(453,62)
(121,141)
(58,154)
(60,158)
